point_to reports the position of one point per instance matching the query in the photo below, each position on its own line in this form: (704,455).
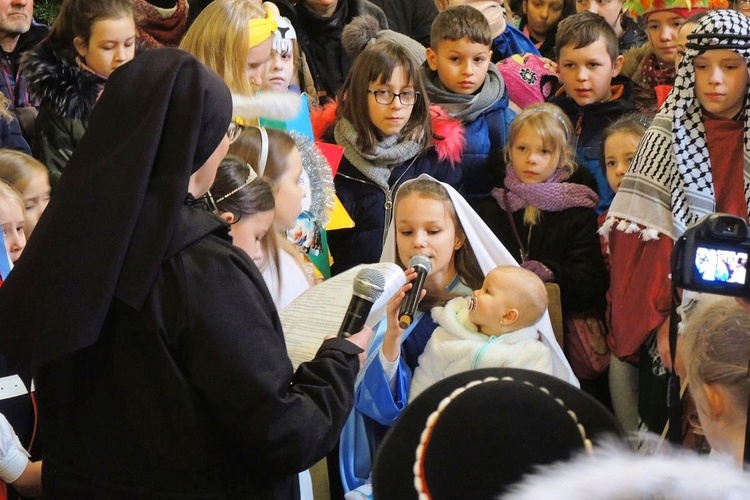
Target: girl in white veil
(380,398)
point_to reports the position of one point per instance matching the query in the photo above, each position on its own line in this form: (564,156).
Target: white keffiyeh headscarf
(669,185)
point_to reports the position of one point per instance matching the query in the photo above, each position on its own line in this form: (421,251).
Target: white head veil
(490,253)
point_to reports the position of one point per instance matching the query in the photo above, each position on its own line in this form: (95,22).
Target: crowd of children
(570,205)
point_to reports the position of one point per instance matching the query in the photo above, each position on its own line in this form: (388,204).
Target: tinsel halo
(322,196)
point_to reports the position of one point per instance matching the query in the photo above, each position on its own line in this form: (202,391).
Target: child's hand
(392,341)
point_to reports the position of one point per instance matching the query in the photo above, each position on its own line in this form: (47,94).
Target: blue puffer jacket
(371,207)
(485,139)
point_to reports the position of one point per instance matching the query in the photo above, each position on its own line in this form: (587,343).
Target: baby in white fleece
(493,328)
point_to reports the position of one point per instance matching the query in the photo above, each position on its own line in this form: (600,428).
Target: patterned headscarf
(669,185)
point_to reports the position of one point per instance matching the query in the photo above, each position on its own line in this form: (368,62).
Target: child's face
(11,222)
(587,72)
(611,10)
(461,65)
(288,193)
(663,30)
(533,161)
(685,30)
(35,198)
(721,81)
(541,15)
(619,150)
(112,44)
(257,57)
(248,233)
(492,302)
(390,119)
(424,226)
(279,71)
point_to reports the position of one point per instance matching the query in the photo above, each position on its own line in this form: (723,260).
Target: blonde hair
(220,37)
(18,169)
(11,195)
(716,344)
(556,132)
(5,112)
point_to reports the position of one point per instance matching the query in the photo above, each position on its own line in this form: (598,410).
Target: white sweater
(456,346)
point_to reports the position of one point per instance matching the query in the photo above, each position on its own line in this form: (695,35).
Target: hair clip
(251,176)
(263,151)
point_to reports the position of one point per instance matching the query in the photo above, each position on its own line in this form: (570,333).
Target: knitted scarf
(375,165)
(669,184)
(654,74)
(160,27)
(552,195)
(465,107)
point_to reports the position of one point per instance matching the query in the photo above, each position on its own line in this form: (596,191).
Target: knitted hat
(684,8)
(474,434)
(363,30)
(493,10)
(528,79)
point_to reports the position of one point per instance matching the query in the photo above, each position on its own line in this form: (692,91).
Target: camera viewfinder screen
(719,266)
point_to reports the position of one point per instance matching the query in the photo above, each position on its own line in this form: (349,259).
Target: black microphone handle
(356,316)
(409,305)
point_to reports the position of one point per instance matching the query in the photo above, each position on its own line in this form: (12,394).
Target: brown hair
(556,132)
(248,148)
(220,37)
(467,266)
(461,21)
(376,63)
(17,168)
(245,199)
(717,347)
(633,124)
(581,30)
(77,17)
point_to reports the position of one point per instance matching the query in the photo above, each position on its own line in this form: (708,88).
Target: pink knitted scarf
(552,195)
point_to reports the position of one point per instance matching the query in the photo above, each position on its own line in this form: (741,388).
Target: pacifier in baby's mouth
(471,303)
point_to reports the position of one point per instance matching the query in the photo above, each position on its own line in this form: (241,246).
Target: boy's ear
(510,316)
(80,46)
(432,59)
(524,6)
(617,65)
(227,216)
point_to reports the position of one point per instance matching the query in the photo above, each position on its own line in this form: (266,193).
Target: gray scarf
(377,164)
(465,107)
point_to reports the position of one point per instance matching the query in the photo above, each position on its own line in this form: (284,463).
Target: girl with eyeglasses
(384,123)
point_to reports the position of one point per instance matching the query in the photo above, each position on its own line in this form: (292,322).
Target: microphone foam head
(369,283)
(421,261)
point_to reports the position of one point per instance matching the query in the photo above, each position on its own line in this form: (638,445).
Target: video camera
(712,256)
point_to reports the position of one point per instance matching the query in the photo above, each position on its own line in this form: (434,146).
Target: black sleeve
(579,266)
(234,352)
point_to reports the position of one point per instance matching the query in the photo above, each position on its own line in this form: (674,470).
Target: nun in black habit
(157,353)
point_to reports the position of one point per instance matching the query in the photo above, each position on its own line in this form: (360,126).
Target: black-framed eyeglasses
(385,97)
(233,131)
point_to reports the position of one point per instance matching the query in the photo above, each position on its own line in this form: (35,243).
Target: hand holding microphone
(367,287)
(422,267)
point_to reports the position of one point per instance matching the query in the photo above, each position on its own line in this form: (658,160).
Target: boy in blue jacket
(460,77)
(594,95)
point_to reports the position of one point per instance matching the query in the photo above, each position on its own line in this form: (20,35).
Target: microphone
(422,266)
(368,286)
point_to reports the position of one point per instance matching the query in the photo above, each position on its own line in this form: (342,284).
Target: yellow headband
(262,28)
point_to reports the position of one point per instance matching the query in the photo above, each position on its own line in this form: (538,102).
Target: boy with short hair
(594,94)
(460,77)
